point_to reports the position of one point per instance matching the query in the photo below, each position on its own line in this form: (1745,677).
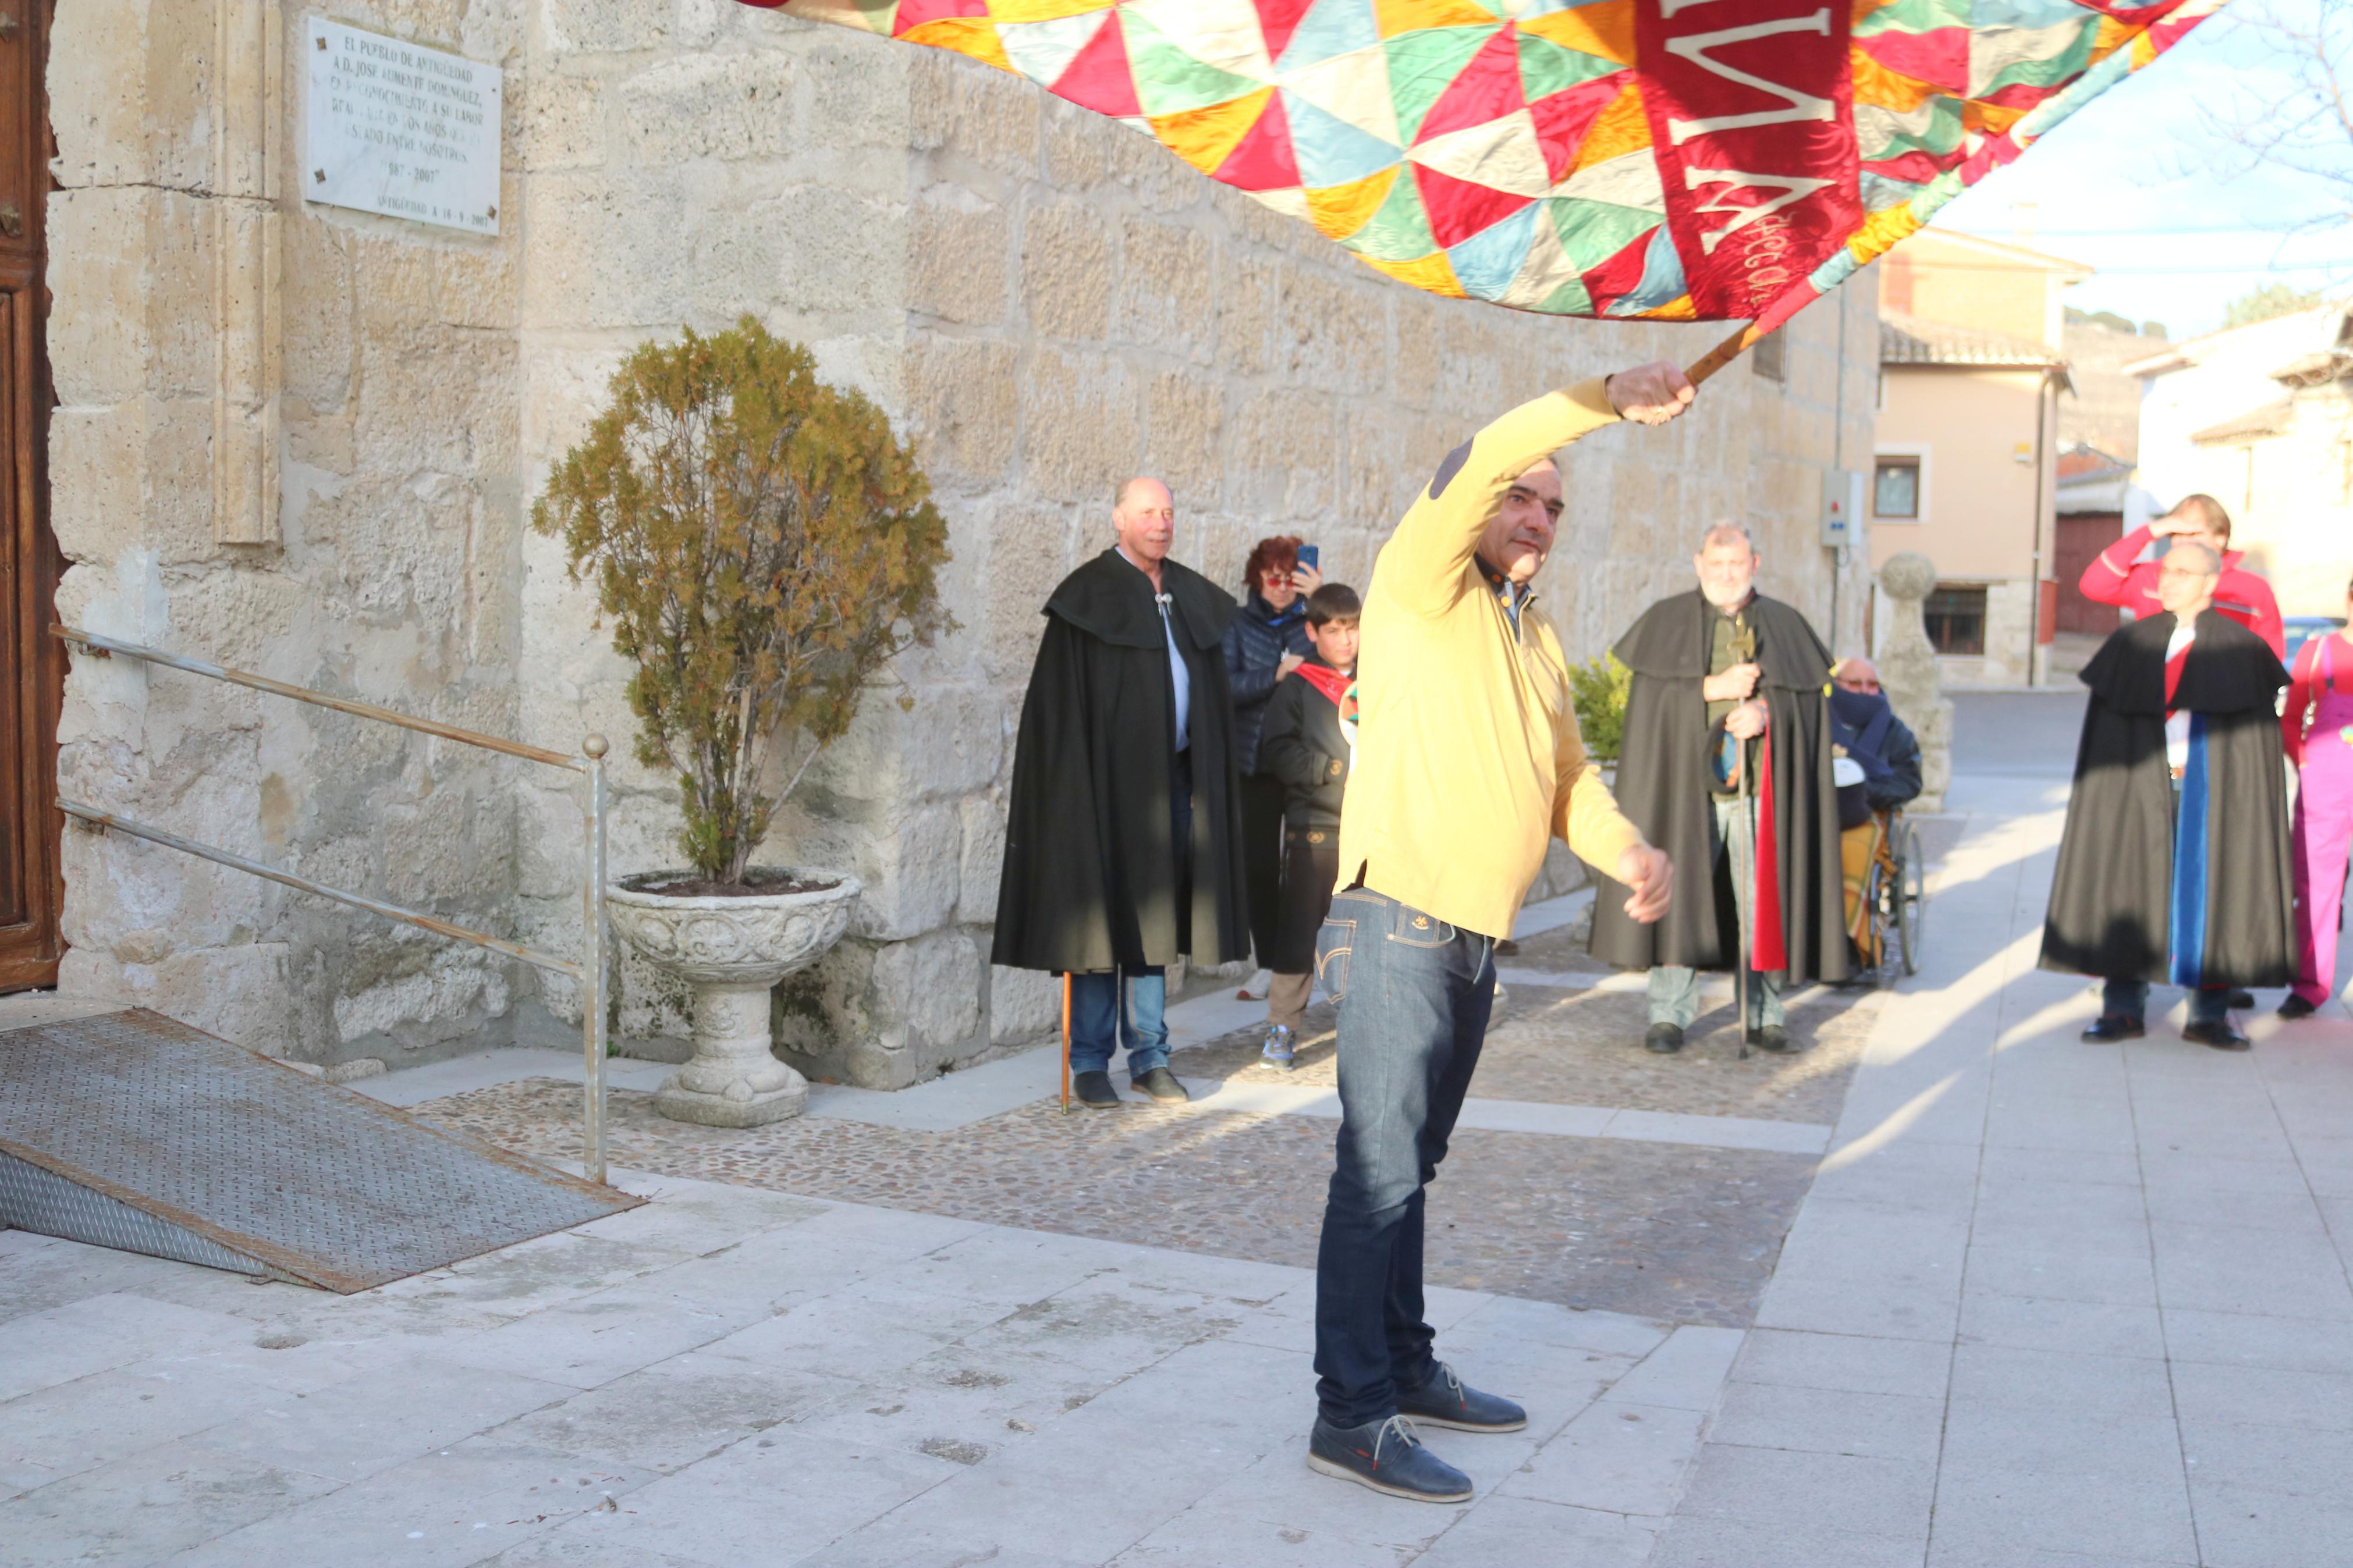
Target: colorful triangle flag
(1679,160)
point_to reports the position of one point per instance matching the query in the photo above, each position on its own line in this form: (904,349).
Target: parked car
(2303,628)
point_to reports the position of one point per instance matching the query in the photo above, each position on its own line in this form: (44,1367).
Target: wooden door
(33,675)
(2082,537)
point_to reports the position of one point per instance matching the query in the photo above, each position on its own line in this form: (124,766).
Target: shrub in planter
(761,547)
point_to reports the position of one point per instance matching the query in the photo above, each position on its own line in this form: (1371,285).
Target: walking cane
(1743,649)
(1066,1042)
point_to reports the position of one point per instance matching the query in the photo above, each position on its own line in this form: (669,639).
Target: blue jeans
(1099,1020)
(1674,988)
(1414,996)
(2129,999)
(1100,1017)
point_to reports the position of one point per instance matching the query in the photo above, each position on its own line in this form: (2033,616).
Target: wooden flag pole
(1725,352)
(1066,1043)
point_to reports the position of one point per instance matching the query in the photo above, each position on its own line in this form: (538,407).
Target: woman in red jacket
(2318,729)
(2121,578)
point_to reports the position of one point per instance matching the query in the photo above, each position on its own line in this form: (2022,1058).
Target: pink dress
(2323,805)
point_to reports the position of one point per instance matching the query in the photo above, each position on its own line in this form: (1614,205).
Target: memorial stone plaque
(398,128)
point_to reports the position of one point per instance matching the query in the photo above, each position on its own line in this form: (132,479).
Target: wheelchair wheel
(1879,909)
(1911,890)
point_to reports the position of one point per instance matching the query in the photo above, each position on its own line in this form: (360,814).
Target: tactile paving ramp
(225,1157)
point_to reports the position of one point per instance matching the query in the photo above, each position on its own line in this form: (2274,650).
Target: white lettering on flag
(1793,189)
(1795,106)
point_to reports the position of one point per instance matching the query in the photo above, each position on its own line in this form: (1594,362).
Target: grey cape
(1664,789)
(2120,889)
(1091,877)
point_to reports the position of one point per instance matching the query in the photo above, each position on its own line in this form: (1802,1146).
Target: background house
(2259,417)
(1964,468)
(305,440)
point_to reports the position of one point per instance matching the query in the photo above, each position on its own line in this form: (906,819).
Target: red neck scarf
(1333,683)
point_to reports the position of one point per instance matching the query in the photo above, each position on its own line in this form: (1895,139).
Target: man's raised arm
(1426,559)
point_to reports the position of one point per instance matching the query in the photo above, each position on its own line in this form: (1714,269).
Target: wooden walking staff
(1744,651)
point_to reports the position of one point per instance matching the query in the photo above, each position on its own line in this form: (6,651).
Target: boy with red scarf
(1309,742)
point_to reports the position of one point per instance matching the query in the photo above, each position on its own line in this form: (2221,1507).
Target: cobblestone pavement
(1672,1231)
(1558,1046)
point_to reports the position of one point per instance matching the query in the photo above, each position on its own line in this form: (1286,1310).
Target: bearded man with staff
(1725,765)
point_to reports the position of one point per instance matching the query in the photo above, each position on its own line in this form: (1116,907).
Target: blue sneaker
(1386,1456)
(1447,1401)
(1277,1049)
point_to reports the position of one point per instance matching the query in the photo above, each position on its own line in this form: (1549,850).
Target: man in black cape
(2175,865)
(1725,723)
(1123,841)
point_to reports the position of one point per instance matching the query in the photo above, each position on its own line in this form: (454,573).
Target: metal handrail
(104,646)
(589,969)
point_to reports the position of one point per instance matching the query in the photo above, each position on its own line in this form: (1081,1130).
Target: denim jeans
(1674,989)
(2129,999)
(1131,1005)
(1107,1009)
(1414,996)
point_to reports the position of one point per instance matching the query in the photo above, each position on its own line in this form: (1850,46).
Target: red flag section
(1752,118)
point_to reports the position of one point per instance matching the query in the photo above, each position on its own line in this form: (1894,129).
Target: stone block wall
(1045,303)
(385,570)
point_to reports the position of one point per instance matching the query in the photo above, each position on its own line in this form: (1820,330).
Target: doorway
(2082,536)
(31,884)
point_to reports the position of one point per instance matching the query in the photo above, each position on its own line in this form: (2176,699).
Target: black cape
(1091,877)
(1664,789)
(2113,896)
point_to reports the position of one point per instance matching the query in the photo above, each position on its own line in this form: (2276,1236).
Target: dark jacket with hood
(1665,787)
(1256,640)
(1092,878)
(1303,747)
(2191,887)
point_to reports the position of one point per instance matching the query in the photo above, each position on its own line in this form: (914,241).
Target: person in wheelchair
(1882,758)
(1865,728)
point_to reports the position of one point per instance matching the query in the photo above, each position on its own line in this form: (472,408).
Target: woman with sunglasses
(1264,643)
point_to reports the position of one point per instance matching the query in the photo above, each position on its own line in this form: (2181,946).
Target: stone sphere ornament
(730,950)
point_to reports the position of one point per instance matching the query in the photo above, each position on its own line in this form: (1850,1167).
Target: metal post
(592,965)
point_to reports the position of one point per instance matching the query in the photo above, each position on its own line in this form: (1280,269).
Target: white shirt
(2177,725)
(1179,678)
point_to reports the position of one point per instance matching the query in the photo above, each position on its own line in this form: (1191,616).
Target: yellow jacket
(1468,757)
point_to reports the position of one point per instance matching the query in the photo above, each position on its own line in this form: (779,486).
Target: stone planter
(731,952)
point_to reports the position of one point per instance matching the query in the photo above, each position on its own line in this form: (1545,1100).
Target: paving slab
(780,1381)
(2041,1306)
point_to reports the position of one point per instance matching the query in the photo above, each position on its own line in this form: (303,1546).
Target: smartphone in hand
(1311,557)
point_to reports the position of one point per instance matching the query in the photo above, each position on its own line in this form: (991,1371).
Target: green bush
(1600,687)
(763,546)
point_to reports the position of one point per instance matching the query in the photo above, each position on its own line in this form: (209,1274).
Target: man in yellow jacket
(1468,760)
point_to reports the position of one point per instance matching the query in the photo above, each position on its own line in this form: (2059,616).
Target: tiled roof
(1909,340)
(2270,419)
(2083,462)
